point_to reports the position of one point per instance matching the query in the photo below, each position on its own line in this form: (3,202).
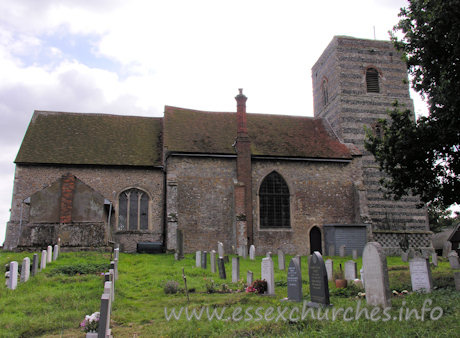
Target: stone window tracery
(133,210)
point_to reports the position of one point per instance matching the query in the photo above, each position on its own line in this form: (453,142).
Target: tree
(422,157)
(440,219)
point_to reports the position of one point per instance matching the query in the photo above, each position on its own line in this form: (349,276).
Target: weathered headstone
(116,253)
(269,254)
(420,274)
(268,274)
(354,253)
(294,281)
(376,283)
(342,250)
(179,245)
(252,252)
(351,270)
(204,259)
(25,269)
(213,261)
(249,278)
(221,266)
(361,274)
(405,256)
(434,259)
(329,263)
(446,249)
(457,280)
(103,329)
(281,260)
(331,249)
(319,288)
(235,269)
(198,259)
(55,252)
(108,289)
(49,254)
(34,265)
(244,249)
(453,260)
(115,269)
(239,251)
(13,280)
(220,249)
(43,260)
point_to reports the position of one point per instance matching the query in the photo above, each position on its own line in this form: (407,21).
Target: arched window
(133,210)
(324,92)
(274,202)
(372,80)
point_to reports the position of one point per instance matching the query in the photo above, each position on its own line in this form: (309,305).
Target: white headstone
(376,275)
(281,260)
(453,260)
(198,259)
(354,253)
(235,269)
(351,270)
(49,254)
(329,268)
(13,280)
(43,260)
(249,278)
(268,274)
(55,252)
(213,261)
(252,252)
(116,253)
(25,269)
(220,249)
(269,254)
(342,250)
(420,274)
(361,274)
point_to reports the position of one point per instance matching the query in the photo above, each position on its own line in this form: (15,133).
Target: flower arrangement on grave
(210,285)
(90,323)
(258,286)
(339,277)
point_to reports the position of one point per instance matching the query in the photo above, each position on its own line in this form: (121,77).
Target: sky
(134,57)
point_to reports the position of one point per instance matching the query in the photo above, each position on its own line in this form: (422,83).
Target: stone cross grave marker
(204,259)
(13,280)
(198,259)
(43,260)
(281,260)
(354,253)
(434,258)
(446,249)
(376,275)
(351,270)
(319,288)
(49,254)
(331,249)
(252,252)
(342,250)
(55,252)
(213,261)
(235,269)
(294,281)
(220,249)
(249,278)
(453,260)
(268,274)
(34,265)
(329,268)
(25,269)
(420,274)
(221,266)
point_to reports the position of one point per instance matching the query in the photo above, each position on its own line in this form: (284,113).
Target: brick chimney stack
(241,113)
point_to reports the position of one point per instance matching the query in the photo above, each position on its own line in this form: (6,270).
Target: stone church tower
(355,83)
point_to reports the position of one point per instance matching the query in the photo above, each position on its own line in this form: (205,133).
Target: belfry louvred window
(274,202)
(133,210)
(372,80)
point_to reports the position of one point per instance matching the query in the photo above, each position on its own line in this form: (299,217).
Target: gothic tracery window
(133,210)
(274,202)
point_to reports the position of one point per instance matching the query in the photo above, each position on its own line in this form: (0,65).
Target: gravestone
(457,280)
(103,329)
(319,288)
(213,261)
(220,249)
(331,251)
(198,259)
(329,263)
(249,278)
(244,248)
(354,254)
(13,280)
(55,252)
(361,275)
(269,254)
(115,268)
(446,249)
(108,290)
(434,258)
(179,245)
(239,251)
(49,254)
(43,260)
(252,252)
(342,250)
(235,269)
(221,266)
(25,269)
(204,259)
(405,256)
(268,274)
(116,253)
(299,258)
(294,281)
(351,270)
(281,260)
(453,260)
(420,274)
(376,280)
(34,265)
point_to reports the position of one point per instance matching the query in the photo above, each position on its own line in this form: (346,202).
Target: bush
(80,269)
(171,287)
(258,286)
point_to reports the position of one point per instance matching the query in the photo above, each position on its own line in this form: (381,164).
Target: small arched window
(372,80)
(133,210)
(274,202)
(324,92)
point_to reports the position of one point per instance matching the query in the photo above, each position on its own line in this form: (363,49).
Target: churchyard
(149,288)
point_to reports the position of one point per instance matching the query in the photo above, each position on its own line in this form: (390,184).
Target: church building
(300,184)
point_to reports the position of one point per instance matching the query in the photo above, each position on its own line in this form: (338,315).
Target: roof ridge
(53,112)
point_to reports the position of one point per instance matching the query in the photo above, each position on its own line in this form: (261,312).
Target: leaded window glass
(274,202)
